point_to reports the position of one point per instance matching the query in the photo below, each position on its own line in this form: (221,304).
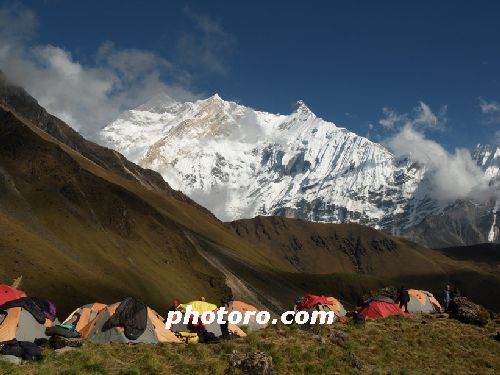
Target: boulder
(254,363)
(466,311)
(354,361)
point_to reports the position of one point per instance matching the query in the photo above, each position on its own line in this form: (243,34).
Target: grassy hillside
(78,233)
(83,224)
(328,249)
(417,345)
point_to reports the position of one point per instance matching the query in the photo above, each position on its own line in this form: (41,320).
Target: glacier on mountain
(239,162)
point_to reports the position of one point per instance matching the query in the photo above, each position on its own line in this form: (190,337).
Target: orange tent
(154,333)
(84,315)
(243,308)
(422,301)
(19,324)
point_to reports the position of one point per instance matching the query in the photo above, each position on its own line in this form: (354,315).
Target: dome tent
(84,315)
(243,307)
(311,301)
(336,306)
(152,331)
(202,307)
(19,324)
(380,308)
(422,301)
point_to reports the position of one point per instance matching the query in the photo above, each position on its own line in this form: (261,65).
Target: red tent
(380,309)
(9,294)
(309,301)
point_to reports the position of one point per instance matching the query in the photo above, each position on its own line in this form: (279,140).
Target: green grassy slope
(418,345)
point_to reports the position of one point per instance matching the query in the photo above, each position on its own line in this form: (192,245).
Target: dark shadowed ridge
(24,105)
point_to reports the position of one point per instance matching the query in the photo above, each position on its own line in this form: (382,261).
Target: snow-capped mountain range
(239,163)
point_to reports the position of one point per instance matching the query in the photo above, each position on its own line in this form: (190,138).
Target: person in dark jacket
(446,298)
(404,298)
(227,303)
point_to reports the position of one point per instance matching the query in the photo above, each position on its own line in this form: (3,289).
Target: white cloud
(489,106)
(132,63)
(451,175)
(491,110)
(88,96)
(391,118)
(420,117)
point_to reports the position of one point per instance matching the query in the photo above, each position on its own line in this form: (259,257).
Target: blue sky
(346,60)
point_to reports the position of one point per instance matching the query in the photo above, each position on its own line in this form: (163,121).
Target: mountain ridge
(241,163)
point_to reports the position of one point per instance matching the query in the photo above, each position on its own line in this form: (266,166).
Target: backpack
(359,320)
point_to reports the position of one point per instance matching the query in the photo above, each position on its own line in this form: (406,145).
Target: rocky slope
(240,163)
(323,248)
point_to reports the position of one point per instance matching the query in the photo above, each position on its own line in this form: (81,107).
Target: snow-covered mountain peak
(158,103)
(300,106)
(240,162)
(301,109)
(215,97)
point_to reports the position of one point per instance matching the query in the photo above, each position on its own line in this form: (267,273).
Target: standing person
(404,298)
(446,298)
(227,303)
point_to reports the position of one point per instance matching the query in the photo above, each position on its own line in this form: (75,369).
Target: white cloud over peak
(421,117)
(88,96)
(451,175)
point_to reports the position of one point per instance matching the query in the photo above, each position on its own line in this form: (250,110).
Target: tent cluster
(377,307)
(420,301)
(23,323)
(28,322)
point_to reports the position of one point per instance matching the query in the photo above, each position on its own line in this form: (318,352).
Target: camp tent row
(375,308)
(382,307)
(89,320)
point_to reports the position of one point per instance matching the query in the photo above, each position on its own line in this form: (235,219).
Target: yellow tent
(197,306)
